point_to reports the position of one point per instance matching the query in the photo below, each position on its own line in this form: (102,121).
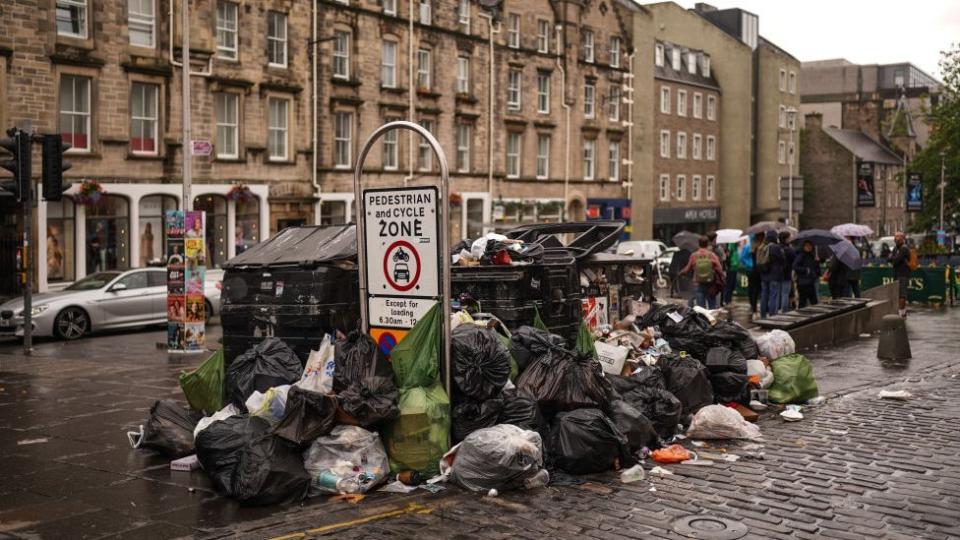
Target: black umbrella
(817,237)
(687,240)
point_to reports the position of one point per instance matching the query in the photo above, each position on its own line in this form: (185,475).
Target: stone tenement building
(540,129)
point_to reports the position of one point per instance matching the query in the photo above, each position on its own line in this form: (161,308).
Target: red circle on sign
(386,269)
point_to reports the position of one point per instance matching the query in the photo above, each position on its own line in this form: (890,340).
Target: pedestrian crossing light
(17,143)
(53,167)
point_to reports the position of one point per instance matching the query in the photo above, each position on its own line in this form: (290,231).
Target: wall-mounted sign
(914,192)
(866,195)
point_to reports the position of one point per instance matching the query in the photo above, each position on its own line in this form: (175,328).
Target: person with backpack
(901,259)
(786,285)
(748,256)
(721,253)
(707,271)
(807,269)
(770,260)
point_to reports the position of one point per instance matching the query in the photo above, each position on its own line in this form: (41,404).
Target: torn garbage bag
(563,381)
(481,362)
(528,343)
(469,416)
(370,401)
(417,439)
(632,423)
(308,415)
(415,359)
(203,386)
(719,422)
(348,460)
(793,380)
(501,457)
(169,430)
(586,441)
(688,380)
(354,357)
(269,363)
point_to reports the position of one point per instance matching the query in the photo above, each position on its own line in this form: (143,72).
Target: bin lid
(301,246)
(588,237)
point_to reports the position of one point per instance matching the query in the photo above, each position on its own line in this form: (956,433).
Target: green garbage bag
(793,380)
(538,321)
(204,385)
(416,359)
(584,344)
(418,438)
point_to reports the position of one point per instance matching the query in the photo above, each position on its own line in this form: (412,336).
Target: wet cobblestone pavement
(855,467)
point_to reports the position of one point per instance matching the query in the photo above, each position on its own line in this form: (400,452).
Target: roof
(778,49)
(308,245)
(683,75)
(862,146)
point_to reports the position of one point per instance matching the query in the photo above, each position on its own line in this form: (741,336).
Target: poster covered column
(186,269)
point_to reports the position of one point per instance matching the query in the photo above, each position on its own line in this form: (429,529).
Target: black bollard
(894,343)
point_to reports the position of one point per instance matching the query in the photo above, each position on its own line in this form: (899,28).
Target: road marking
(411,508)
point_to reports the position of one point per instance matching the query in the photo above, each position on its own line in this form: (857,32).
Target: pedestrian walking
(786,285)
(771,261)
(853,275)
(900,260)
(837,277)
(807,269)
(733,268)
(748,260)
(707,271)
(721,254)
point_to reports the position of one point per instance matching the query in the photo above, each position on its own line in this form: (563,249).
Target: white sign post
(402,254)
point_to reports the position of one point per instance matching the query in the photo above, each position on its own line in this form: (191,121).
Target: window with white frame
(658,54)
(463,15)
(543,93)
(613,105)
(464,137)
(792,82)
(342,139)
(587,45)
(681,102)
(513,31)
(705,66)
(697,146)
(278,131)
(388,64)
(781,152)
(144,118)
(664,187)
(695,187)
(543,35)
(711,148)
(711,107)
(664,143)
(790,155)
(513,155)
(614,51)
(681,187)
(72,18)
(141,22)
(543,156)
(514,77)
(589,158)
(692,63)
(711,188)
(227,112)
(341,54)
(389,7)
(589,100)
(424,61)
(425,151)
(227,14)
(783,117)
(463,74)
(391,147)
(697,105)
(675,58)
(426,12)
(613,161)
(665,99)
(681,145)
(783,80)
(277,39)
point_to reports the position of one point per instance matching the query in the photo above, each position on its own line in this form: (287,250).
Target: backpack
(703,269)
(913,260)
(763,257)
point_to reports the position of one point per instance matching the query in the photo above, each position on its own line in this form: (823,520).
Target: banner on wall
(186,269)
(914,192)
(866,196)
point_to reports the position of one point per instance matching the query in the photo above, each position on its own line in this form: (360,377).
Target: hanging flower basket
(91,193)
(455,199)
(240,193)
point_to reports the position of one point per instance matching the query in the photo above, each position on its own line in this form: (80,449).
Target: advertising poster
(914,192)
(866,196)
(186,269)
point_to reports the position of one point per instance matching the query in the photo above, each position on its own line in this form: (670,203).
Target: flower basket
(240,193)
(91,193)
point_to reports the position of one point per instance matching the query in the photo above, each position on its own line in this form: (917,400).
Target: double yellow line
(412,508)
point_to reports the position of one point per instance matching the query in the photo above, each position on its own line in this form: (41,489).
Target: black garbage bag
(730,386)
(688,380)
(267,364)
(481,362)
(563,381)
(307,416)
(521,411)
(371,401)
(722,360)
(247,462)
(469,416)
(528,343)
(586,441)
(353,356)
(733,336)
(632,423)
(169,430)
(649,376)
(649,397)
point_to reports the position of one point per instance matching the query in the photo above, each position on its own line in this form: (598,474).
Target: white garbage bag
(269,405)
(222,414)
(757,367)
(720,422)
(318,373)
(348,460)
(775,344)
(499,457)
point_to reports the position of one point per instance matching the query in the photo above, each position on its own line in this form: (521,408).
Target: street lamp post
(792,119)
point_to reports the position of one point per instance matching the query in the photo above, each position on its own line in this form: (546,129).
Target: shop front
(669,221)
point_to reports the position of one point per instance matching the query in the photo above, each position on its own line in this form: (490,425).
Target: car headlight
(35,311)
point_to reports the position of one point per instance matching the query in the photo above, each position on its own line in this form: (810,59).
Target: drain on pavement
(706,527)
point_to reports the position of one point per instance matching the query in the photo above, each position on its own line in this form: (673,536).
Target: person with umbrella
(807,269)
(845,258)
(707,271)
(770,259)
(786,285)
(853,276)
(900,260)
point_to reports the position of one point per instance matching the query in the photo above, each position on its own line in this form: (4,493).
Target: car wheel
(71,323)
(207,311)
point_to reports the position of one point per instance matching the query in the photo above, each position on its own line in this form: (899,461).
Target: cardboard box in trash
(612,357)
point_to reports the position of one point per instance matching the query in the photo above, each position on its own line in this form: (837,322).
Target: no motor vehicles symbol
(401,266)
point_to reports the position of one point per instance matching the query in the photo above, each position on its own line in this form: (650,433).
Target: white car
(643,249)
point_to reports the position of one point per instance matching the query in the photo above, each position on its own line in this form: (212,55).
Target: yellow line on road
(411,508)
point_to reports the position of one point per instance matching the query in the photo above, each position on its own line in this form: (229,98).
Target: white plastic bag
(269,405)
(222,414)
(757,367)
(479,245)
(318,373)
(348,460)
(719,422)
(775,344)
(499,457)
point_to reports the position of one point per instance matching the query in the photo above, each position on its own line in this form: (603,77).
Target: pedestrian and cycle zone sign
(401,242)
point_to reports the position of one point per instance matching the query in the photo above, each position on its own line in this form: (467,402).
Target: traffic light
(53,167)
(18,144)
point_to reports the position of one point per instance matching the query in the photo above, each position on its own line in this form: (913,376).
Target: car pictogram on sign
(401,273)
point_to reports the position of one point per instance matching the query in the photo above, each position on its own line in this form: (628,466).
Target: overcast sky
(862,31)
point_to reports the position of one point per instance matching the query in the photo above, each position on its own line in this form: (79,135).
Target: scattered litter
(899,395)
(493,492)
(864,336)
(720,422)
(792,414)
(729,458)
(653,488)
(432,488)
(397,487)
(25,442)
(753,446)
(633,474)
(757,406)
(819,400)
(671,454)
(699,443)
(188,463)
(661,471)
(704,462)
(839,431)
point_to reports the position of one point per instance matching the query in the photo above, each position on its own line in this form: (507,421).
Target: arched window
(248,224)
(216,230)
(61,240)
(108,234)
(153,237)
